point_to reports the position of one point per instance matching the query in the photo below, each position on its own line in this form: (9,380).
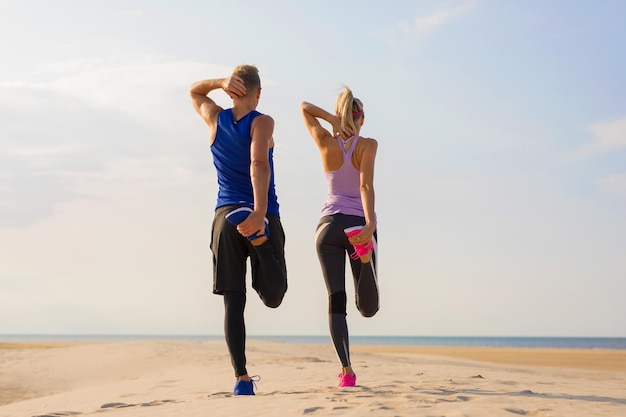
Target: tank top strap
(348,153)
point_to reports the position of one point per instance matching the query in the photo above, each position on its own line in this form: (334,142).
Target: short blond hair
(250,76)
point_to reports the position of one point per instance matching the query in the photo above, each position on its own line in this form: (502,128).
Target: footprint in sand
(221,394)
(117,405)
(60,414)
(534,413)
(124,405)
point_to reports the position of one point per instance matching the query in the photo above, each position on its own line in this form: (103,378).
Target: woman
(348,222)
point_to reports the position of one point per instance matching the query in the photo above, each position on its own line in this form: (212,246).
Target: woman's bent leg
(366,284)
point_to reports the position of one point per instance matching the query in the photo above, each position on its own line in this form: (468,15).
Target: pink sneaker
(346,381)
(360,251)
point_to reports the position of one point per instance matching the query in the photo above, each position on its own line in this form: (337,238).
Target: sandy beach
(181,378)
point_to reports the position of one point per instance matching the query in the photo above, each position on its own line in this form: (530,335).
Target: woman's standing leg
(332,261)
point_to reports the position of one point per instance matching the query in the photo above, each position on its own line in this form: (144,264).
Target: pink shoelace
(361,250)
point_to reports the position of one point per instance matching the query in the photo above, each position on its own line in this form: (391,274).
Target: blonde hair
(250,76)
(349,109)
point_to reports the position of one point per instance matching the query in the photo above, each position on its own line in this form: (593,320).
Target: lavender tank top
(344,186)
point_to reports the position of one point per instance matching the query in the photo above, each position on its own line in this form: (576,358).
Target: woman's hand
(364,236)
(338,131)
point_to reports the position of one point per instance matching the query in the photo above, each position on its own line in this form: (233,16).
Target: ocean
(476,341)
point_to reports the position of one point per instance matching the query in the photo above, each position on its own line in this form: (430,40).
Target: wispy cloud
(607,137)
(98,126)
(153,92)
(614,184)
(424,25)
(77,65)
(132,13)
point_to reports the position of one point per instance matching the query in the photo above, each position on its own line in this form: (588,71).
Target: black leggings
(270,288)
(269,277)
(235,329)
(332,246)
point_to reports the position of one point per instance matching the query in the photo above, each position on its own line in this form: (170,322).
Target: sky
(500,176)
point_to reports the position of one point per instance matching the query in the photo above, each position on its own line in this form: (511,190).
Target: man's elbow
(258,165)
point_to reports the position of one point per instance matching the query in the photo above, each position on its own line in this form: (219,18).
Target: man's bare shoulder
(263,118)
(263,122)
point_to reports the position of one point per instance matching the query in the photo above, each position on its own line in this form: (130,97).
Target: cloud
(77,65)
(149,89)
(424,25)
(614,184)
(132,13)
(153,91)
(97,126)
(607,137)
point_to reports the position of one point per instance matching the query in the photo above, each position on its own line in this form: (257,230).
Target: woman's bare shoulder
(368,142)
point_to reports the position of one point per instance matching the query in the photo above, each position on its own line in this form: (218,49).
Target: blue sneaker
(238,215)
(246,387)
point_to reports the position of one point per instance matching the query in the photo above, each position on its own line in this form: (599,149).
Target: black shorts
(231,251)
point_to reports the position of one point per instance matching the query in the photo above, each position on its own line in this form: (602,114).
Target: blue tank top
(231,157)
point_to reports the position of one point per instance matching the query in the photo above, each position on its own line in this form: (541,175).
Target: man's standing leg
(230,253)
(235,329)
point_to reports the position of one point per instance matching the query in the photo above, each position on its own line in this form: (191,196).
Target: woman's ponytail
(348,109)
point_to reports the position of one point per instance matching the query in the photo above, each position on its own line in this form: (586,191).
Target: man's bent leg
(269,270)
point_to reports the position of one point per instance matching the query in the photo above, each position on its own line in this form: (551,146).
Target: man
(246,222)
